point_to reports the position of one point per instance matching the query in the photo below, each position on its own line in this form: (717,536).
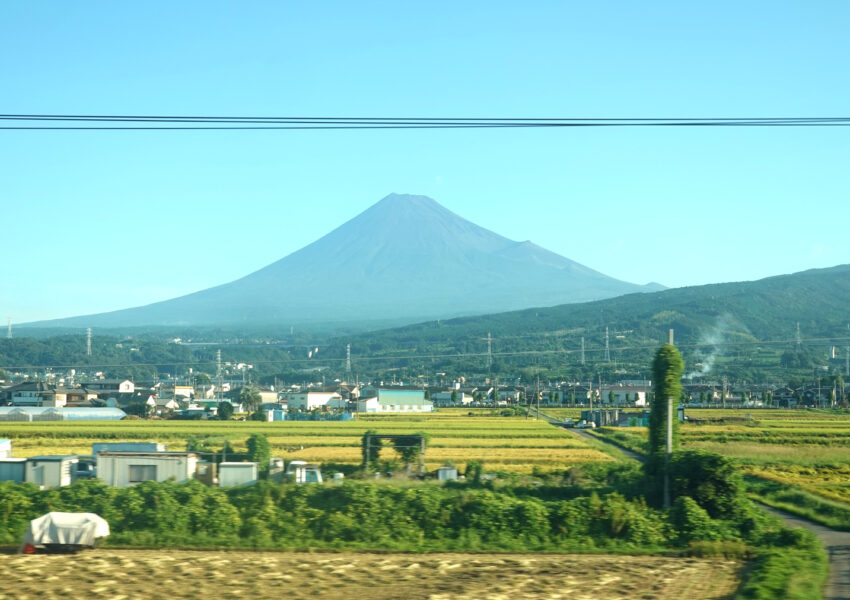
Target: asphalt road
(837,544)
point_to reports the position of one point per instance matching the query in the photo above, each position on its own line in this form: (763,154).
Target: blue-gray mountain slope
(405,258)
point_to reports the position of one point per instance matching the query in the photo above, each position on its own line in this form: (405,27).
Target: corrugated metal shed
(12,469)
(99,447)
(237,473)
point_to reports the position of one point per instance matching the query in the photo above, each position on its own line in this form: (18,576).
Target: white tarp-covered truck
(64,532)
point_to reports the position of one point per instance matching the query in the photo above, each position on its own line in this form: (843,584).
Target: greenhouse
(49,413)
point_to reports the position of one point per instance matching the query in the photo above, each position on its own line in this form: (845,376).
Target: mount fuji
(405,259)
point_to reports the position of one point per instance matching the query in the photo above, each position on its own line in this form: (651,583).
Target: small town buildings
(267,396)
(51,471)
(451,398)
(111,386)
(393,400)
(39,393)
(120,391)
(623,396)
(162,406)
(309,400)
(123,469)
(176,391)
(510,395)
(236,473)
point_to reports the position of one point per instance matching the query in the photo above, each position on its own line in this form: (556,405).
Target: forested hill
(767,309)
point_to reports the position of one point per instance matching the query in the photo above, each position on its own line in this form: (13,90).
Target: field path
(583,434)
(627,453)
(837,543)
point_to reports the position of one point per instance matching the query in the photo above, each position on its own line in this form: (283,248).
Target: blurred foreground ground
(167,574)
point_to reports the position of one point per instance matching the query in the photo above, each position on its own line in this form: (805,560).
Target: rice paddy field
(213,574)
(510,444)
(807,449)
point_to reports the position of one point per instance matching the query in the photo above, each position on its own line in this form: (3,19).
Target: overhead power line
(471,355)
(187,122)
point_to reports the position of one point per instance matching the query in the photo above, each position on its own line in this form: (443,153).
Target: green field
(513,444)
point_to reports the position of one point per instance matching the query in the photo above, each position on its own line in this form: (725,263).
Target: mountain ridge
(819,299)
(406,257)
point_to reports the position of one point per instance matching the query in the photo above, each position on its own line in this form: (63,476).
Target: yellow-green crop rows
(513,444)
(808,449)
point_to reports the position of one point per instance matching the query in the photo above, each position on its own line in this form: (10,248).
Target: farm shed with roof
(51,471)
(236,473)
(123,469)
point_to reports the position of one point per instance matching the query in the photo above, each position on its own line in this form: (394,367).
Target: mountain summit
(406,258)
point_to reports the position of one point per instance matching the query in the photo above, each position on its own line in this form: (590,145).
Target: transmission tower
(88,341)
(348,363)
(9,329)
(847,361)
(218,372)
(489,351)
(607,351)
(582,349)
(799,337)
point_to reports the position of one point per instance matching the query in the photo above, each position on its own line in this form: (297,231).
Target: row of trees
(371,515)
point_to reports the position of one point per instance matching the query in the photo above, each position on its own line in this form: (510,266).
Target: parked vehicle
(65,533)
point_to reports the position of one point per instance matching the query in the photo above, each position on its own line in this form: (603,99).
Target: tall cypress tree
(667,369)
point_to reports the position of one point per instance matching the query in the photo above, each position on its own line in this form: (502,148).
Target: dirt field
(129,574)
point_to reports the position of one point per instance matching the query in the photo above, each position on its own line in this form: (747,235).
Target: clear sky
(95,221)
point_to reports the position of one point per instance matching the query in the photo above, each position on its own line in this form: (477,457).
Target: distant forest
(775,329)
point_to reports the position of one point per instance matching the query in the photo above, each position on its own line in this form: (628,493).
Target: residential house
(110,386)
(510,395)
(623,396)
(37,393)
(176,391)
(444,398)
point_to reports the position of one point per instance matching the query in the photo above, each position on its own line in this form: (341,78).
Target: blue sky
(95,221)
